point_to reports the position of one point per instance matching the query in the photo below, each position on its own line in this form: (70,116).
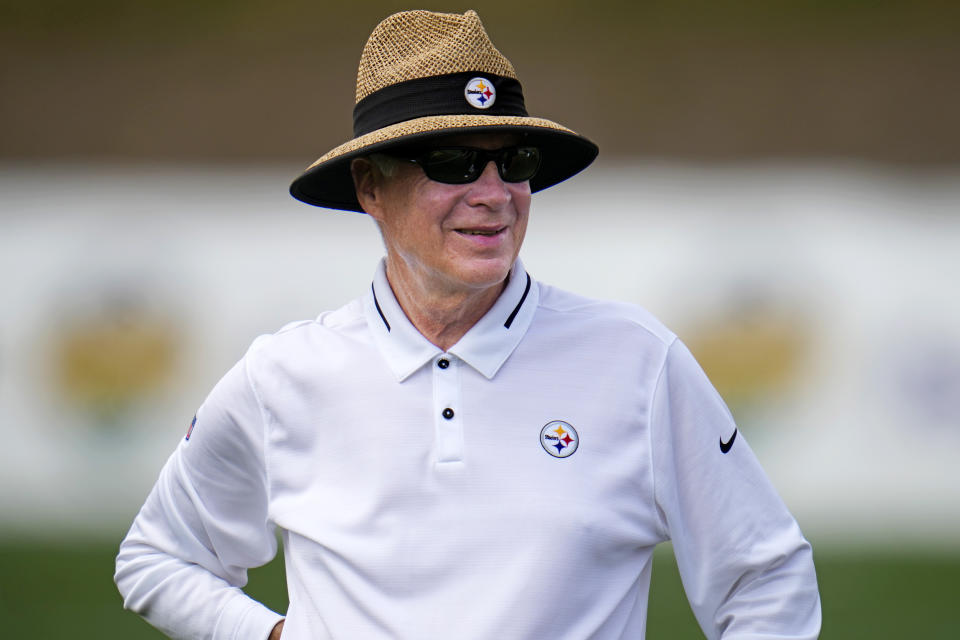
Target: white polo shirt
(512,487)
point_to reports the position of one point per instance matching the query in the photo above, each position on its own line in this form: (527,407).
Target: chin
(486,274)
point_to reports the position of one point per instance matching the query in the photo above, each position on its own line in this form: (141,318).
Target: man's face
(452,238)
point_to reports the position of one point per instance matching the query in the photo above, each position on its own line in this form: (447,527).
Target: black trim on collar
(377,305)
(434,96)
(516,309)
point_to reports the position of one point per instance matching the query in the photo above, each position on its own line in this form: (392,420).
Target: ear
(365,182)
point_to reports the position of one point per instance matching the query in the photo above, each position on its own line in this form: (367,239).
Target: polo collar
(485,347)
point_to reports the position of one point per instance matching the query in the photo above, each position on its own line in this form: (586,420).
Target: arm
(746,568)
(185,559)
(277,630)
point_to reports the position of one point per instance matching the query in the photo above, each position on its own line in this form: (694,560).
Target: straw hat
(424,75)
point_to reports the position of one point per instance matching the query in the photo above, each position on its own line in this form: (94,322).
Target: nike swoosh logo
(725,446)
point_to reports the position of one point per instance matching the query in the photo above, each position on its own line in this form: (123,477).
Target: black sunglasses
(460,165)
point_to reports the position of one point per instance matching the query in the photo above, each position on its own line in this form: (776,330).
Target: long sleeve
(745,566)
(185,559)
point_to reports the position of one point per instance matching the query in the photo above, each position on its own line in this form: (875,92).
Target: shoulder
(620,320)
(297,344)
(345,320)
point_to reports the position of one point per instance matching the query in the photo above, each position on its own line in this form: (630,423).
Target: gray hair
(386,165)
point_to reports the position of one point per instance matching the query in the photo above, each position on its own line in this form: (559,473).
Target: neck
(441,315)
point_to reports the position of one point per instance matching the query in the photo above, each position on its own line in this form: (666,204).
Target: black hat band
(435,96)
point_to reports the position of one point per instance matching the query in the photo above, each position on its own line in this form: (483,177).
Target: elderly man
(463,452)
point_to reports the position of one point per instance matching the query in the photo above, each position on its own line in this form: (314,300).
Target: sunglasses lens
(453,166)
(519,164)
(460,165)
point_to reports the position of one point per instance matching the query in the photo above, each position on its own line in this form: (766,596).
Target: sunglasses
(460,165)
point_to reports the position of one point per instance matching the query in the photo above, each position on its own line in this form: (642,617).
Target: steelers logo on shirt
(559,439)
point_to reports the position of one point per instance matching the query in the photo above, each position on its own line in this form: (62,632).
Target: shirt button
(447,413)
(443,363)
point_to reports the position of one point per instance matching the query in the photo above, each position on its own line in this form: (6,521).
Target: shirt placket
(447,409)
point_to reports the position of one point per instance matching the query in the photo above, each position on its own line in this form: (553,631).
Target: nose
(489,189)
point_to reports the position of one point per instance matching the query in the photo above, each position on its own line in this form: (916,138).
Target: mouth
(481,232)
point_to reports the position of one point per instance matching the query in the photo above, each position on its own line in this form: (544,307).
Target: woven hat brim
(328,182)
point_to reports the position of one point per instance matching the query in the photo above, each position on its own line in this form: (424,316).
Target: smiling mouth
(480,232)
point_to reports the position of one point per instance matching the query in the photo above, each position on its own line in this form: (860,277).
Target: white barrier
(824,300)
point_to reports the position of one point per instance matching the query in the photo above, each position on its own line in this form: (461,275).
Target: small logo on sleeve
(192,425)
(559,439)
(725,446)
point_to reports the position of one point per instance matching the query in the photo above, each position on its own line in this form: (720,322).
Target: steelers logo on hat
(480,93)
(559,439)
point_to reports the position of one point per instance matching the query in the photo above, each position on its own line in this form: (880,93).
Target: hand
(277,630)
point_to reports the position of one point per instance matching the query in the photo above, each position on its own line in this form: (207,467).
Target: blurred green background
(67,592)
(687,79)
(230,85)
